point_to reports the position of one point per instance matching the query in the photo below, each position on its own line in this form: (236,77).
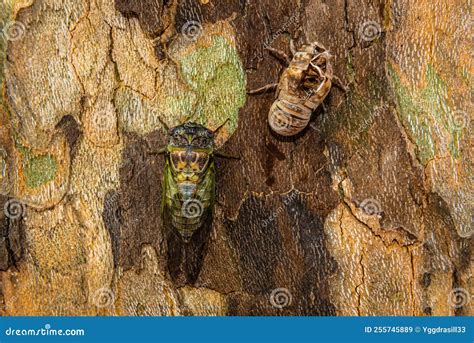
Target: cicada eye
(201,141)
(179,139)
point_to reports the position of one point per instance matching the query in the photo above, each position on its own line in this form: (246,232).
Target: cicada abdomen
(189,179)
(303,86)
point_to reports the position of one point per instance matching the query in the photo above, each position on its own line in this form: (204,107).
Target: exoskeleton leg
(320,46)
(293,47)
(293,41)
(320,72)
(325,108)
(338,83)
(280,55)
(264,89)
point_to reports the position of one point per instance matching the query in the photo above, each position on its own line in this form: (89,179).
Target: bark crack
(358,291)
(413,278)
(346,26)
(394,241)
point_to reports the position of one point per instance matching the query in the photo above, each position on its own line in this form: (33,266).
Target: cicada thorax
(303,86)
(189,181)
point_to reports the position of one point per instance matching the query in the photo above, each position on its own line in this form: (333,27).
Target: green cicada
(189,179)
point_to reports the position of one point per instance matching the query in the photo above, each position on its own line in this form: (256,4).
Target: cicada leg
(151,151)
(157,152)
(224,155)
(264,89)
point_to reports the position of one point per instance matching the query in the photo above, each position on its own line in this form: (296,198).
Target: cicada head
(190,148)
(310,69)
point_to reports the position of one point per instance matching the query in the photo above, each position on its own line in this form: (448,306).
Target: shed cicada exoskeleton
(302,87)
(189,178)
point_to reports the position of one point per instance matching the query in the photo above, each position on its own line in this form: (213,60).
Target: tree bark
(368,211)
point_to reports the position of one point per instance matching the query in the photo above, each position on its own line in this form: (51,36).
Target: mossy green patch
(427,116)
(216,75)
(350,66)
(38,170)
(205,83)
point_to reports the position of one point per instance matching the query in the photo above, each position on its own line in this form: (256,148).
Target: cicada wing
(169,190)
